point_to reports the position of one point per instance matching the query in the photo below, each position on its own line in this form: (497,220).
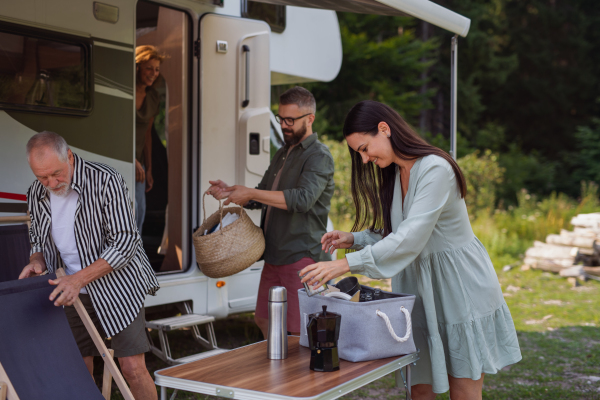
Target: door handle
(246,51)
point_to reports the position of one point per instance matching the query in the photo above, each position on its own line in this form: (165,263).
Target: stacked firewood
(570,254)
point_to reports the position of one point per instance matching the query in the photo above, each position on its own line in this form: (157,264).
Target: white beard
(61,190)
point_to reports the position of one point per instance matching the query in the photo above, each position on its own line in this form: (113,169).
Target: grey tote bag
(369,330)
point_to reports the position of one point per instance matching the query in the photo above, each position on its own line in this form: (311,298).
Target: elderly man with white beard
(82,221)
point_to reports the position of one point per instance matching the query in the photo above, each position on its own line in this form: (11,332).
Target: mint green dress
(461,323)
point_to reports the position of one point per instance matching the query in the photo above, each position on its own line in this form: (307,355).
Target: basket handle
(242,213)
(204,208)
(391,329)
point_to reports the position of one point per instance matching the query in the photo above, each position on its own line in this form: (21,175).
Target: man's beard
(63,189)
(293,138)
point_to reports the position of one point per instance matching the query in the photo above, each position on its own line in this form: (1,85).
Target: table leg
(163,393)
(408,387)
(400,383)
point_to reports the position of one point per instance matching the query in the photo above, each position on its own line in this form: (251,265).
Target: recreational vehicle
(68,66)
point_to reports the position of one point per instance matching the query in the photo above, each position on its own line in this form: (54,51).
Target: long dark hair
(373,187)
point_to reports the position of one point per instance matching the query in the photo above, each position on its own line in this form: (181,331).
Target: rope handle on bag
(391,329)
(242,213)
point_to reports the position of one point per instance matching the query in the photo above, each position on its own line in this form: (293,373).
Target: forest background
(528,87)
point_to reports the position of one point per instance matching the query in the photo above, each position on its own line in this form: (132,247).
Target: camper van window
(272,14)
(40,73)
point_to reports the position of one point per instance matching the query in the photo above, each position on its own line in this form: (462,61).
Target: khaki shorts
(129,342)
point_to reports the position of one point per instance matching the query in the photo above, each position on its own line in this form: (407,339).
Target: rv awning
(422,9)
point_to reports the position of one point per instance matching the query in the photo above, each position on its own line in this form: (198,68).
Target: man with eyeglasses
(295,195)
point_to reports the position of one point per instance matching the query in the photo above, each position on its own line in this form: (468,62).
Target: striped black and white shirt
(104,228)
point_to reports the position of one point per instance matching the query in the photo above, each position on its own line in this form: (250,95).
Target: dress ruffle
(461,322)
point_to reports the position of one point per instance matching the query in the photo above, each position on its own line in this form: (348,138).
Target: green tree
(383,61)
(529,72)
(483,65)
(586,159)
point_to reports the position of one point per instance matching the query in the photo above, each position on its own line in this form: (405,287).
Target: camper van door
(234,123)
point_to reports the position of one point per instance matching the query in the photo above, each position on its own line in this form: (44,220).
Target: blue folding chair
(39,358)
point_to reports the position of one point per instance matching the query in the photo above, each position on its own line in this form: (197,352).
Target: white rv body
(216,129)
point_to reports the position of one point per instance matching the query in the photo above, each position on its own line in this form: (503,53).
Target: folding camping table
(246,374)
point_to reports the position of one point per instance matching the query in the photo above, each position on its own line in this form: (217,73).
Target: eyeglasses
(288,120)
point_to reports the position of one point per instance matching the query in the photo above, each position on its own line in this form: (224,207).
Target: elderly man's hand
(319,273)
(34,268)
(66,291)
(238,194)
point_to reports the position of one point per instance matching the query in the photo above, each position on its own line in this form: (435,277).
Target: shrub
(508,233)
(342,208)
(483,175)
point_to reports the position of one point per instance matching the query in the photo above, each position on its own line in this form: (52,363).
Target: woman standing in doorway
(421,236)
(147,63)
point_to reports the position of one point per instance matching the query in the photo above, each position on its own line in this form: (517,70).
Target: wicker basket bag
(231,249)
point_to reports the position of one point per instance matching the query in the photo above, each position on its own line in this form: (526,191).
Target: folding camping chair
(14,247)
(39,358)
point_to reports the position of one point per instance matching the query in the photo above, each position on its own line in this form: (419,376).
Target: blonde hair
(146,53)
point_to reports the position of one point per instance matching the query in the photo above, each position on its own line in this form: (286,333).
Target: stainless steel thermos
(277,343)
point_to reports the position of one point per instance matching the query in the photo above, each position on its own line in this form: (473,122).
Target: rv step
(199,356)
(181,321)
(187,320)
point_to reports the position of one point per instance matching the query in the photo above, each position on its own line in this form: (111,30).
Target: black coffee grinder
(323,331)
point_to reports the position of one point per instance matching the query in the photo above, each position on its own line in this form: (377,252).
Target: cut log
(571,240)
(587,220)
(592,270)
(565,262)
(551,251)
(584,232)
(546,265)
(586,252)
(558,261)
(570,254)
(580,232)
(575,271)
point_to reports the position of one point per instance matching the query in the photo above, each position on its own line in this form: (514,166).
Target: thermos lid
(278,294)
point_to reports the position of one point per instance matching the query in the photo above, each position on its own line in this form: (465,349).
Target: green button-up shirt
(307,185)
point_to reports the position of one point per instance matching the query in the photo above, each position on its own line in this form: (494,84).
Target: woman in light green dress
(419,234)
